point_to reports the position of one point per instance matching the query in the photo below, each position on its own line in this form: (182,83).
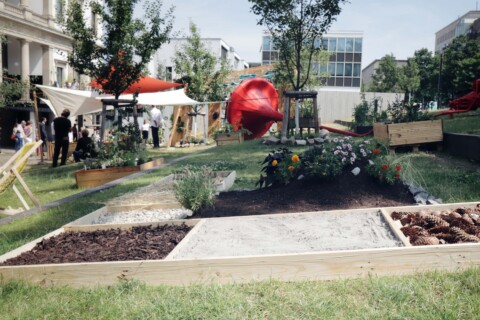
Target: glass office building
(345,63)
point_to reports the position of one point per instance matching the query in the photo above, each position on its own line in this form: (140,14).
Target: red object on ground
(145,84)
(253,106)
(470,101)
(348,133)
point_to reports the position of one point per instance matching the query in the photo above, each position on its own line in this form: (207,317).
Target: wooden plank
(185,240)
(126,226)
(380,131)
(395,227)
(292,267)
(415,132)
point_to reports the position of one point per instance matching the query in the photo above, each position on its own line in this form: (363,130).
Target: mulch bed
(344,192)
(138,243)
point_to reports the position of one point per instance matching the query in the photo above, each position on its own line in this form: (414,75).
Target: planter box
(229,138)
(302,266)
(51,148)
(409,133)
(96,177)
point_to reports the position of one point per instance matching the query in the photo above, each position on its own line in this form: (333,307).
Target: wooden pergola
(287,95)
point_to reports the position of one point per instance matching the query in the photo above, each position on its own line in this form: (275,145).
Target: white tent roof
(82,102)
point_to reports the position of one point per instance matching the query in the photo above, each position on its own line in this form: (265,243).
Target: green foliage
(195,190)
(127,43)
(400,111)
(296,26)
(428,73)
(198,67)
(460,67)
(385,78)
(11,91)
(366,114)
(385,169)
(409,78)
(281,167)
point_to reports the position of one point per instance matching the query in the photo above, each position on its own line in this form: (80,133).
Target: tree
(428,72)
(385,78)
(127,44)
(461,66)
(296,27)
(409,78)
(201,70)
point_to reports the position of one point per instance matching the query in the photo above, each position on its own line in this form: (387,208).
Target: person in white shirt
(145,129)
(157,122)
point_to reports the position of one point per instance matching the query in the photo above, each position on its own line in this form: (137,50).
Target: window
(315,69)
(267,40)
(169,73)
(357,57)
(332,44)
(340,57)
(356,69)
(59,77)
(358,45)
(325,44)
(348,82)
(93,21)
(349,57)
(341,45)
(340,72)
(235,63)
(4,55)
(331,69)
(316,42)
(349,45)
(224,53)
(348,69)
(323,68)
(59,10)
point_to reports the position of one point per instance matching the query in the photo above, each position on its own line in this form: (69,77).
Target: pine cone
(439,229)
(414,231)
(425,241)
(397,215)
(436,221)
(454,215)
(468,219)
(463,236)
(448,237)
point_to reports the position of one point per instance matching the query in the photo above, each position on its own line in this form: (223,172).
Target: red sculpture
(253,105)
(470,101)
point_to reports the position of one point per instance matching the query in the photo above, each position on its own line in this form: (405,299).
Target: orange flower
(398,168)
(376,151)
(385,167)
(274,163)
(295,158)
(290,168)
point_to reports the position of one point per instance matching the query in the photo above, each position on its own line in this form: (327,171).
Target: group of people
(22,133)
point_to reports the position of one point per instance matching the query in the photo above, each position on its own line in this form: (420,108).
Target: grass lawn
(468,123)
(437,295)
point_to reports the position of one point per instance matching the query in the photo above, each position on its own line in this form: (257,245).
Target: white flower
(352,160)
(370,162)
(344,159)
(335,140)
(366,142)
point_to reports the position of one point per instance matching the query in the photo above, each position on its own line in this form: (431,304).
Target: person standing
(43,133)
(145,130)
(62,126)
(28,132)
(156,124)
(19,136)
(75,132)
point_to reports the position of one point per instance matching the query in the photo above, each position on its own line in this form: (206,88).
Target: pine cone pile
(440,227)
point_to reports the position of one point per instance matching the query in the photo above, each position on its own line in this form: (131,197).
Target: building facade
(345,62)
(163,57)
(34,49)
(460,26)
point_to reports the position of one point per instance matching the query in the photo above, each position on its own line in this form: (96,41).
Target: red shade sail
(253,106)
(145,84)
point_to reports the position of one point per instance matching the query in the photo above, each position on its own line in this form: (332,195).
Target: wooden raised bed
(324,265)
(51,148)
(96,177)
(229,138)
(409,133)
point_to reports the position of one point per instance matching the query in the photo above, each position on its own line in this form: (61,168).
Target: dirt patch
(344,192)
(138,243)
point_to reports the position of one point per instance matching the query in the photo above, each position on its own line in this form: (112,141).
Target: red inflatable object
(253,106)
(145,84)
(468,102)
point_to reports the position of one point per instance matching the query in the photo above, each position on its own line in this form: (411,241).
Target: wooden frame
(327,265)
(229,138)
(409,133)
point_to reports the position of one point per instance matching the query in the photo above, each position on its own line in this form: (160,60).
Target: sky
(398,27)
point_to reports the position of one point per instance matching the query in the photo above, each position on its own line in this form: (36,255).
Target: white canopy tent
(81,102)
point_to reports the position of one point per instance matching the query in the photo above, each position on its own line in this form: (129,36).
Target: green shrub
(281,167)
(195,190)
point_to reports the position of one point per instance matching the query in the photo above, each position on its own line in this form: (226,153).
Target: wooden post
(316,121)
(37,122)
(102,125)
(286,115)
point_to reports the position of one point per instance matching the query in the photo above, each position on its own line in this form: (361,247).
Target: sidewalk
(32,160)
